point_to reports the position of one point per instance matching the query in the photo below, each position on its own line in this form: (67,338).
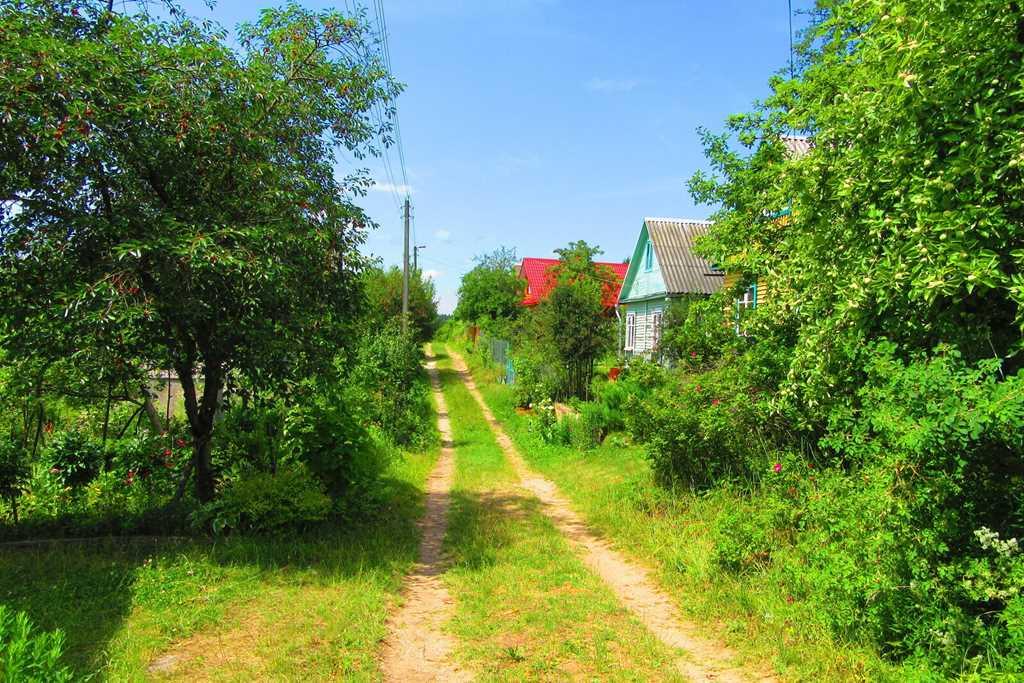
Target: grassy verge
(613,488)
(527,608)
(238,609)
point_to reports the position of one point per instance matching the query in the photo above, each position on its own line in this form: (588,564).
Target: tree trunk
(151,412)
(201,413)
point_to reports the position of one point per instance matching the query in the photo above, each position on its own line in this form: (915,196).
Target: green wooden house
(663,267)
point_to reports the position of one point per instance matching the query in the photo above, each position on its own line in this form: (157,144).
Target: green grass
(239,609)
(526,606)
(613,488)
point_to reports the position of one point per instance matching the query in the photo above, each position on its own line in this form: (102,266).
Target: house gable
(643,282)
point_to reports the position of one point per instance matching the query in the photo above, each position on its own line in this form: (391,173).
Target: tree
(384,300)
(492,290)
(905,220)
(172,202)
(573,320)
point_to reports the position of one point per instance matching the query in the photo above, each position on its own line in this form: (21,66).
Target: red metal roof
(540,280)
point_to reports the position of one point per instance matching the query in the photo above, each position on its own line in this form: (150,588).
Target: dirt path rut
(417,649)
(706,660)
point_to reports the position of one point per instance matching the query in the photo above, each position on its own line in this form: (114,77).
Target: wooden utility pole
(415,257)
(405,271)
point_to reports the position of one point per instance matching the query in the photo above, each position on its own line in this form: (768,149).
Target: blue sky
(533,123)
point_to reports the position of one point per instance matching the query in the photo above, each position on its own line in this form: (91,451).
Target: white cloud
(432,274)
(612,84)
(443,235)
(390,187)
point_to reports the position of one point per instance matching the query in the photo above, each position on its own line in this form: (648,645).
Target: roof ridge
(677,220)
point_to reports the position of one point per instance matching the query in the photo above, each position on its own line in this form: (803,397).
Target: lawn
(526,606)
(303,607)
(613,488)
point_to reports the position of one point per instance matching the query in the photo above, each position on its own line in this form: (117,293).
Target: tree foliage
(906,215)
(572,325)
(172,202)
(492,290)
(384,300)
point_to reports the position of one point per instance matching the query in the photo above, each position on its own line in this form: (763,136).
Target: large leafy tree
(384,300)
(172,202)
(907,217)
(492,290)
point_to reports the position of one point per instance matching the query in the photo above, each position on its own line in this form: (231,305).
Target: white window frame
(649,256)
(747,301)
(630,332)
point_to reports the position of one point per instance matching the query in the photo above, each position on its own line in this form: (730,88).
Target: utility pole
(415,259)
(405,271)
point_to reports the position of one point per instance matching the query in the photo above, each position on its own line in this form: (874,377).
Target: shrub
(325,435)
(704,428)
(547,425)
(289,500)
(588,430)
(535,381)
(387,381)
(74,458)
(26,655)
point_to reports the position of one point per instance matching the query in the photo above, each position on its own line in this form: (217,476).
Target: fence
(496,351)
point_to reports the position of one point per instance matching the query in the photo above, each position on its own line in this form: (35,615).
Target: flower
(693,354)
(715,401)
(697,388)
(167,452)
(777,467)
(180,443)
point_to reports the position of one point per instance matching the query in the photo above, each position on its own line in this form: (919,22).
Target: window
(656,333)
(648,256)
(747,301)
(630,331)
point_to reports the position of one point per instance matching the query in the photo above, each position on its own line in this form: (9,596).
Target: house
(540,280)
(663,267)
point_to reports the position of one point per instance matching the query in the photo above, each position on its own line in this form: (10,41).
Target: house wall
(645,283)
(645,314)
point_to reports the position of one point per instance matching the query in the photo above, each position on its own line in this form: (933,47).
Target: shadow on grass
(89,590)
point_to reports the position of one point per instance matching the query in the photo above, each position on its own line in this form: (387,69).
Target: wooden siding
(645,312)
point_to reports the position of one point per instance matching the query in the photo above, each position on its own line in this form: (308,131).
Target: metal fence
(497,351)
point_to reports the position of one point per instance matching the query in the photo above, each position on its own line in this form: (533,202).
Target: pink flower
(715,401)
(693,354)
(777,467)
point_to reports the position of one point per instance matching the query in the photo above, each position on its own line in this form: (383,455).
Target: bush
(588,430)
(74,458)
(547,425)
(387,381)
(290,500)
(322,433)
(703,429)
(535,381)
(26,655)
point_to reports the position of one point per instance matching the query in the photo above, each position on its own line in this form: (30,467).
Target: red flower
(180,443)
(777,467)
(715,401)
(693,354)
(167,452)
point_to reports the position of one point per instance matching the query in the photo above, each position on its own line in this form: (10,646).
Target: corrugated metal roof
(540,279)
(797,145)
(683,271)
